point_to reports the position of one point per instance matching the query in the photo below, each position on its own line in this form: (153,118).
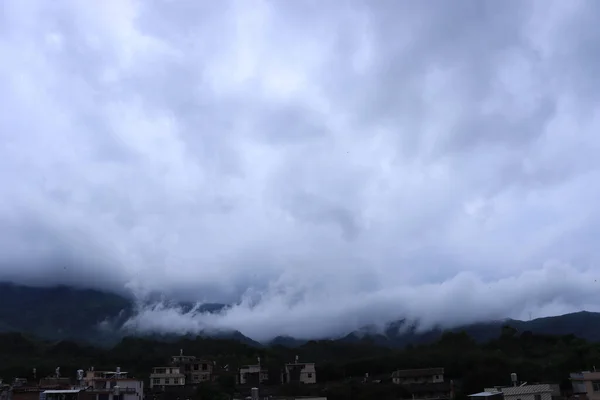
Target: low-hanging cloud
(323,165)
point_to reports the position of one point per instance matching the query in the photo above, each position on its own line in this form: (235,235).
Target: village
(181,376)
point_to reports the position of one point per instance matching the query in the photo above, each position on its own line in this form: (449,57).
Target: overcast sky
(332,163)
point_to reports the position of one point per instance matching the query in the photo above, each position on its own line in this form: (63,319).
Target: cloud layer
(331,164)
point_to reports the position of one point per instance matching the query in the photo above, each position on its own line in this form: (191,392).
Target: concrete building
(586,383)
(412,376)
(5,391)
(112,385)
(195,370)
(299,372)
(252,375)
(539,391)
(163,377)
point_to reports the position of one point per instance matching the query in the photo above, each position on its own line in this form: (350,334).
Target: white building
(253,374)
(299,372)
(540,391)
(112,385)
(166,376)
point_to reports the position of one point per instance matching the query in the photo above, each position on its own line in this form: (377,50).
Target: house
(586,383)
(163,377)
(55,382)
(425,375)
(5,391)
(252,374)
(299,372)
(111,385)
(539,391)
(195,370)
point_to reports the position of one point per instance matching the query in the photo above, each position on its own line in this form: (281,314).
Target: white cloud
(341,164)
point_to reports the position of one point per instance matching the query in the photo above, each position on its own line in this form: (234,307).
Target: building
(5,391)
(195,370)
(111,385)
(252,374)
(586,383)
(299,372)
(539,391)
(163,377)
(425,375)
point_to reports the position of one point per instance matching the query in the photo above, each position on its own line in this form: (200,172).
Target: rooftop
(485,394)
(528,389)
(410,373)
(62,391)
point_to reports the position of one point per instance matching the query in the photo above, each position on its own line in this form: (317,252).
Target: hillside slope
(60,313)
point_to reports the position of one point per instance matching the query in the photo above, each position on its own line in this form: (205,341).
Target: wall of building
(400,380)
(304,373)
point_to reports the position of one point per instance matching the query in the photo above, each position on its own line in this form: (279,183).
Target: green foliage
(340,366)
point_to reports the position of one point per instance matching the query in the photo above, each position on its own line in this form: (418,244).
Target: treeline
(535,358)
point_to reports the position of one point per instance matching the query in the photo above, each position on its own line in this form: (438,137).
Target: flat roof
(485,394)
(62,391)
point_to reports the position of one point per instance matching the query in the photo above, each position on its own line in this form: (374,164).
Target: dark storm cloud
(332,164)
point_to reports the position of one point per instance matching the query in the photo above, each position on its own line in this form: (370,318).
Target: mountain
(584,324)
(83,315)
(67,313)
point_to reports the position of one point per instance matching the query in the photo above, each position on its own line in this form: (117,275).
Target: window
(195,367)
(204,367)
(196,378)
(537,397)
(596,386)
(156,381)
(310,374)
(176,381)
(167,381)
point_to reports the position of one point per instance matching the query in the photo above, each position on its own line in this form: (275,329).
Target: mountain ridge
(67,313)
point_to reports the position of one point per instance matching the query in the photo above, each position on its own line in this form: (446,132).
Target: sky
(324,165)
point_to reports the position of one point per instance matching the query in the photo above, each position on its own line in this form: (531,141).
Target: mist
(320,165)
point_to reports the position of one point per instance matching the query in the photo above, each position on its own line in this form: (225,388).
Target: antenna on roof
(34,373)
(180,352)
(258,360)
(57,372)
(296,359)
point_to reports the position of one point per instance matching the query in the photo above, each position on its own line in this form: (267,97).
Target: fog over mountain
(325,165)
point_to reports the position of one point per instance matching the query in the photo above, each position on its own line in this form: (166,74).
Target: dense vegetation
(339,365)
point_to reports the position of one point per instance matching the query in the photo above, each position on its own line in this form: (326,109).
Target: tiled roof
(527,389)
(412,373)
(485,394)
